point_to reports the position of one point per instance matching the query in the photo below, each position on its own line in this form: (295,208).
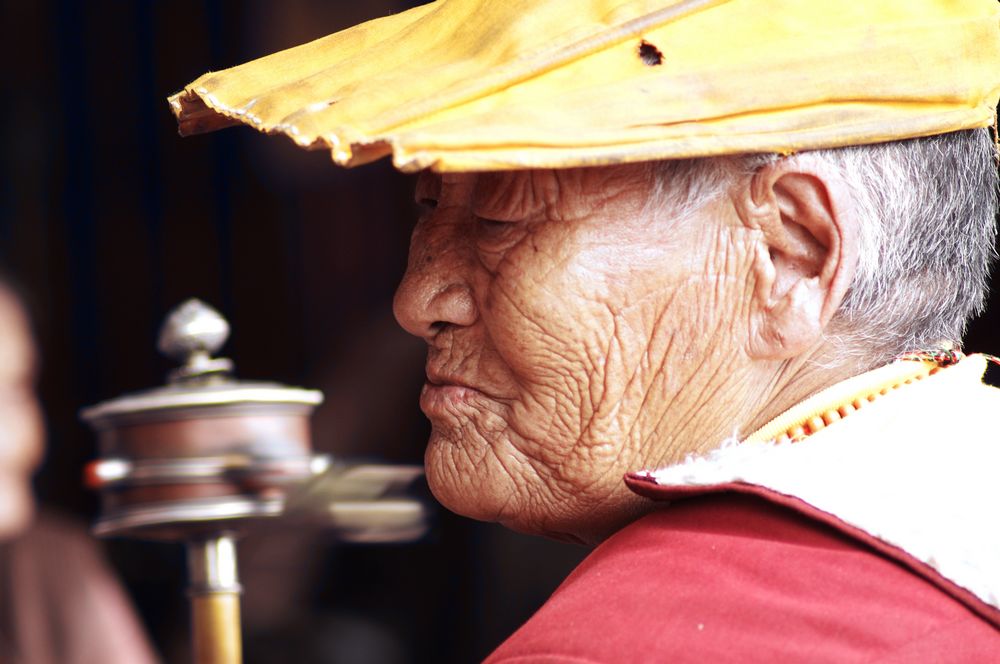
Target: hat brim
(459,85)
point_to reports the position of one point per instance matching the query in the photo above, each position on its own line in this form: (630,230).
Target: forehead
(17,351)
(537,188)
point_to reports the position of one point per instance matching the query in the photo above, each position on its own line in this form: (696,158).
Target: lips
(438,400)
(443,393)
(437,378)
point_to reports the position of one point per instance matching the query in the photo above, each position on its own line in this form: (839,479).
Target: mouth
(441,394)
(437,400)
(439,378)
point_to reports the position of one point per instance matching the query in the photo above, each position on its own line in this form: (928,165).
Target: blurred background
(108,220)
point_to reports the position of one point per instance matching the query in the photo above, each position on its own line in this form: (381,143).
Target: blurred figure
(59,602)
(21,428)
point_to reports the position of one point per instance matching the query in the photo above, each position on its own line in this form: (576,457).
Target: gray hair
(928,209)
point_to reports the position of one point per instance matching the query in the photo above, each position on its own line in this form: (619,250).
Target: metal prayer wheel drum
(205,452)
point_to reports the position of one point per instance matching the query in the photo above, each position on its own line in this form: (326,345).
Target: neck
(796,379)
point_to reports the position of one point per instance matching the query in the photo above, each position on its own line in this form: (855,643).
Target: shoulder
(51,552)
(67,604)
(737,578)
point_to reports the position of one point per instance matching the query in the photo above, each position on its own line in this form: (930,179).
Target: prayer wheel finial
(192,334)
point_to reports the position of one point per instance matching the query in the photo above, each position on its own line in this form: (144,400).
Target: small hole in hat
(649,54)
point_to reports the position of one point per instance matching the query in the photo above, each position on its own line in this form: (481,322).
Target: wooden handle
(215,628)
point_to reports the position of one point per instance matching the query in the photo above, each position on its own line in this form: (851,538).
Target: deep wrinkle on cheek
(495,240)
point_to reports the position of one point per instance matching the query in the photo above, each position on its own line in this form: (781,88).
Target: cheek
(553,325)
(20,436)
(16,503)
(543,315)
(600,338)
(20,451)
(562,322)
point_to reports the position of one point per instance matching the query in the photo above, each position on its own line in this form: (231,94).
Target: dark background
(108,219)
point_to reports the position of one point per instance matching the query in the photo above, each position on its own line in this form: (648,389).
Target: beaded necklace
(841,400)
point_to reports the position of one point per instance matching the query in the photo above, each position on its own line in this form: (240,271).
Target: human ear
(806,255)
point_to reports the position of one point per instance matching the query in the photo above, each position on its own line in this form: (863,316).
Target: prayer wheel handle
(214,590)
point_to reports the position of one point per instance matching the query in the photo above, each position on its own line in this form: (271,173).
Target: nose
(436,291)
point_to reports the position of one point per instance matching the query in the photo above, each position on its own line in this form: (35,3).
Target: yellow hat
(461,85)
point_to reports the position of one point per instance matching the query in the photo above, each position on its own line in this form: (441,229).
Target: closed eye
(493,231)
(492,225)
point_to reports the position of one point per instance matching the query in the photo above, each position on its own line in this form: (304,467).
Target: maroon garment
(739,578)
(60,603)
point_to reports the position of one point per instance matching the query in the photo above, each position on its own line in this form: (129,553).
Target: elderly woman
(735,273)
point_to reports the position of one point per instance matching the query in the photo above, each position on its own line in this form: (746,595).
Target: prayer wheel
(207,456)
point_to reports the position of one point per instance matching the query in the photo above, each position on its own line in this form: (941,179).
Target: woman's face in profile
(571,320)
(21,430)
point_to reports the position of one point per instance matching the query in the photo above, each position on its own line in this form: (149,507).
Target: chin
(462,487)
(478,489)
(17,508)
(485,492)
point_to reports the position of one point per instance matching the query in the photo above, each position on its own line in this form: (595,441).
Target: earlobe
(807,254)
(791,325)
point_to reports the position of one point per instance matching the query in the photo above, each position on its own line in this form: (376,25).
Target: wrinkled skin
(20,417)
(576,332)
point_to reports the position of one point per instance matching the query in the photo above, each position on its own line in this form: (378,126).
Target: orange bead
(831,416)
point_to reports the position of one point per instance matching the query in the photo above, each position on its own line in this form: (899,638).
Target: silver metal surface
(108,473)
(193,327)
(192,333)
(180,513)
(397,520)
(229,394)
(365,503)
(212,565)
(361,482)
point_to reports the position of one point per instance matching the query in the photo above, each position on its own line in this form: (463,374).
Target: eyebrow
(507,195)
(428,183)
